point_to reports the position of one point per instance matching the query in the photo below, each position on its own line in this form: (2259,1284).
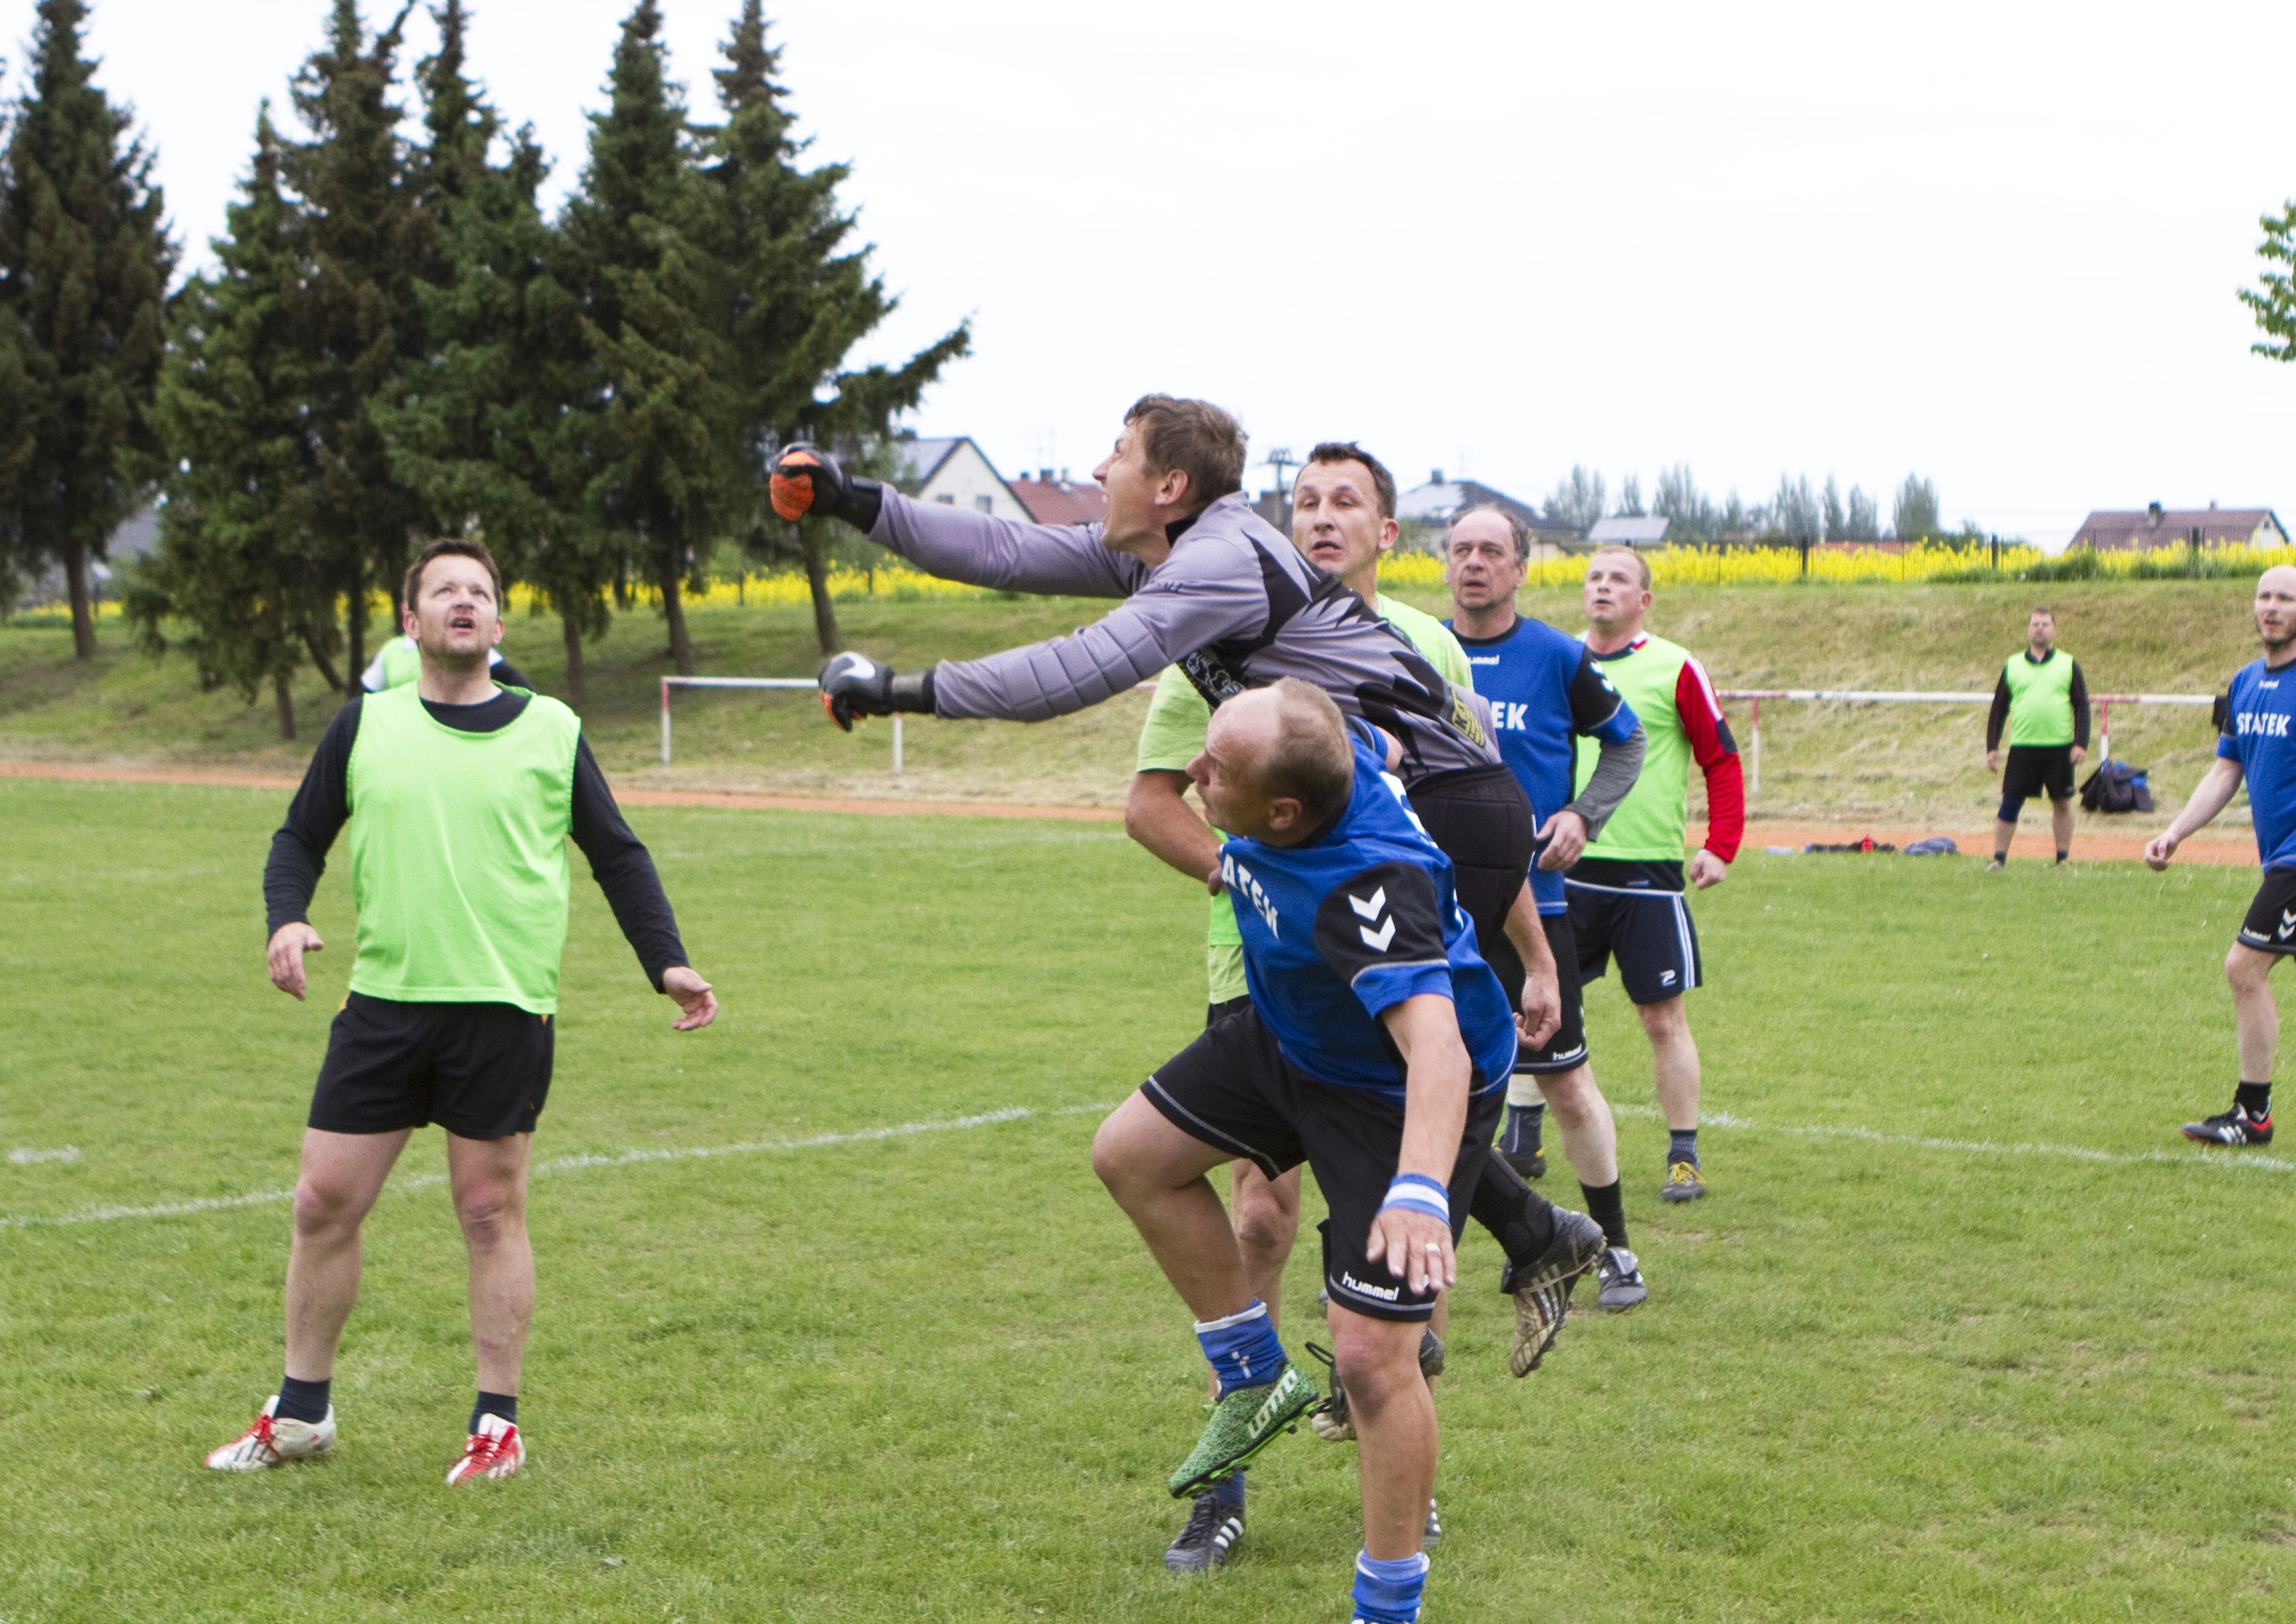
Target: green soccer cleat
(1243,1423)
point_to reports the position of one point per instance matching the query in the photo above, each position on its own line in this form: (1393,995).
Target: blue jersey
(1352,923)
(1545,692)
(2256,734)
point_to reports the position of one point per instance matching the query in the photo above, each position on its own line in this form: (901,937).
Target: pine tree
(368,240)
(1837,522)
(84,263)
(798,299)
(650,293)
(236,558)
(488,423)
(1915,515)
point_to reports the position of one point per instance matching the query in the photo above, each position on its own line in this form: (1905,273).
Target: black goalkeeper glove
(854,685)
(807,480)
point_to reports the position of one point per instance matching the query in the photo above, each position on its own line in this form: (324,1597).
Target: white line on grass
(1986,1147)
(568,1164)
(25,1157)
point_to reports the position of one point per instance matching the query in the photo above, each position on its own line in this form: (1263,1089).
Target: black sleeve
(2080,707)
(1385,917)
(1592,700)
(508,675)
(624,870)
(1999,713)
(321,807)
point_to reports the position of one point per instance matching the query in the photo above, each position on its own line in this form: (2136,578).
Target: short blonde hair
(1310,760)
(1642,564)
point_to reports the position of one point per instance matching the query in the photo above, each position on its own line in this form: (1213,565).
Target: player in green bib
(461,797)
(2044,699)
(1627,892)
(1343,520)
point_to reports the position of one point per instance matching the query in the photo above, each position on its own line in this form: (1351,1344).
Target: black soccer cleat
(1541,1288)
(1530,1164)
(2233,1128)
(1211,1535)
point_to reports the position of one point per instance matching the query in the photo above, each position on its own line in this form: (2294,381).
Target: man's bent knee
(2247,969)
(324,1206)
(1376,1359)
(1665,1019)
(490,1215)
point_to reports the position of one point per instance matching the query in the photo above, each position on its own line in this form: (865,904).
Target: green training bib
(458,853)
(2040,699)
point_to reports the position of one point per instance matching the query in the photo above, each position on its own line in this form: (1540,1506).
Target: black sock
(1682,1145)
(505,1405)
(1518,1216)
(1607,1207)
(2254,1098)
(302,1400)
(1229,1491)
(2063,856)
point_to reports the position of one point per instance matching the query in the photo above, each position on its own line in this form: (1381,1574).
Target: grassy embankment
(1897,767)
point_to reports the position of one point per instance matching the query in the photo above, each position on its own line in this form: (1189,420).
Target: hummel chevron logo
(2287,923)
(1376,940)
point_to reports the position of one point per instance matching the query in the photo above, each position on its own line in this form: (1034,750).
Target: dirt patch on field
(2032,845)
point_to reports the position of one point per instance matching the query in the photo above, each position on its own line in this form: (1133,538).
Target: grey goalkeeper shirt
(1236,606)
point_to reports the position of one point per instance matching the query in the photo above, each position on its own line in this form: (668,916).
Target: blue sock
(302,1400)
(1242,1349)
(505,1405)
(1388,1592)
(1229,1492)
(1682,1145)
(1520,1136)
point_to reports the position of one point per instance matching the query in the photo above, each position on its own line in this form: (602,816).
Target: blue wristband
(1418,1192)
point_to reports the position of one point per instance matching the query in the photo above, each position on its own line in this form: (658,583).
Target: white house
(956,471)
(1642,530)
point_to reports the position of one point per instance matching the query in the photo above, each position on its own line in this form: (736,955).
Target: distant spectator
(2045,701)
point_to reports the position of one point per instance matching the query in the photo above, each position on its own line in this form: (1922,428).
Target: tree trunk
(673,610)
(318,653)
(76,583)
(817,581)
(573,626)
(354,623)
(286,699)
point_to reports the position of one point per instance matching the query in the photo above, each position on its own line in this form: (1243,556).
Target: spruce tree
(236,558)
(487,424)
(368,240)
(649,294)
(84,263)
(798,299)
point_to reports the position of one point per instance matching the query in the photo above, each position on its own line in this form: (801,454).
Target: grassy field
(1964,1333)
(1898,767)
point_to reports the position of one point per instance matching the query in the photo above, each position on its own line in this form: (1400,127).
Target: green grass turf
(1902,765)
(935,1376)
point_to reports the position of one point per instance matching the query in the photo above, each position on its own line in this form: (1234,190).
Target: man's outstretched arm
(2211,796)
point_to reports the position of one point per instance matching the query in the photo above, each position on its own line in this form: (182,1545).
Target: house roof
(1639,531)
(2166,526)
(1438,500)
(915,461)
(1060,500)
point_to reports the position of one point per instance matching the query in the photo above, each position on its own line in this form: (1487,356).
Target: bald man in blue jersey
(2256,746)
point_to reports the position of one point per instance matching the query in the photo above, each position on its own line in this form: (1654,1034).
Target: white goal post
(2104,702)
(784,683)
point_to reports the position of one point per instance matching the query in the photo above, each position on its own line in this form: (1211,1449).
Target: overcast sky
(1995,244)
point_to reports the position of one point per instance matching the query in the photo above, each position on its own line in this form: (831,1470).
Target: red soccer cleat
(494,1451)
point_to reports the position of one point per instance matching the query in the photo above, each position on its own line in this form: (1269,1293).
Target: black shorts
(2032,768)
(1233,1088)
(1567,1049)
(2270,926)
(1648,932)
(1478,819)
(478,1071)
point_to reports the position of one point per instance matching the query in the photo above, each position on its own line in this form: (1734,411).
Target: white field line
(568,1164)
(24,1157)
(900,1130)
(2238,1161)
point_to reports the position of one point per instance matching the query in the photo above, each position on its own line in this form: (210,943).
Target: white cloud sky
(1995,244)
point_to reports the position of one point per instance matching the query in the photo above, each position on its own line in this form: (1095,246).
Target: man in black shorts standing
(460,796)
(1376,1050)
(2042,697)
